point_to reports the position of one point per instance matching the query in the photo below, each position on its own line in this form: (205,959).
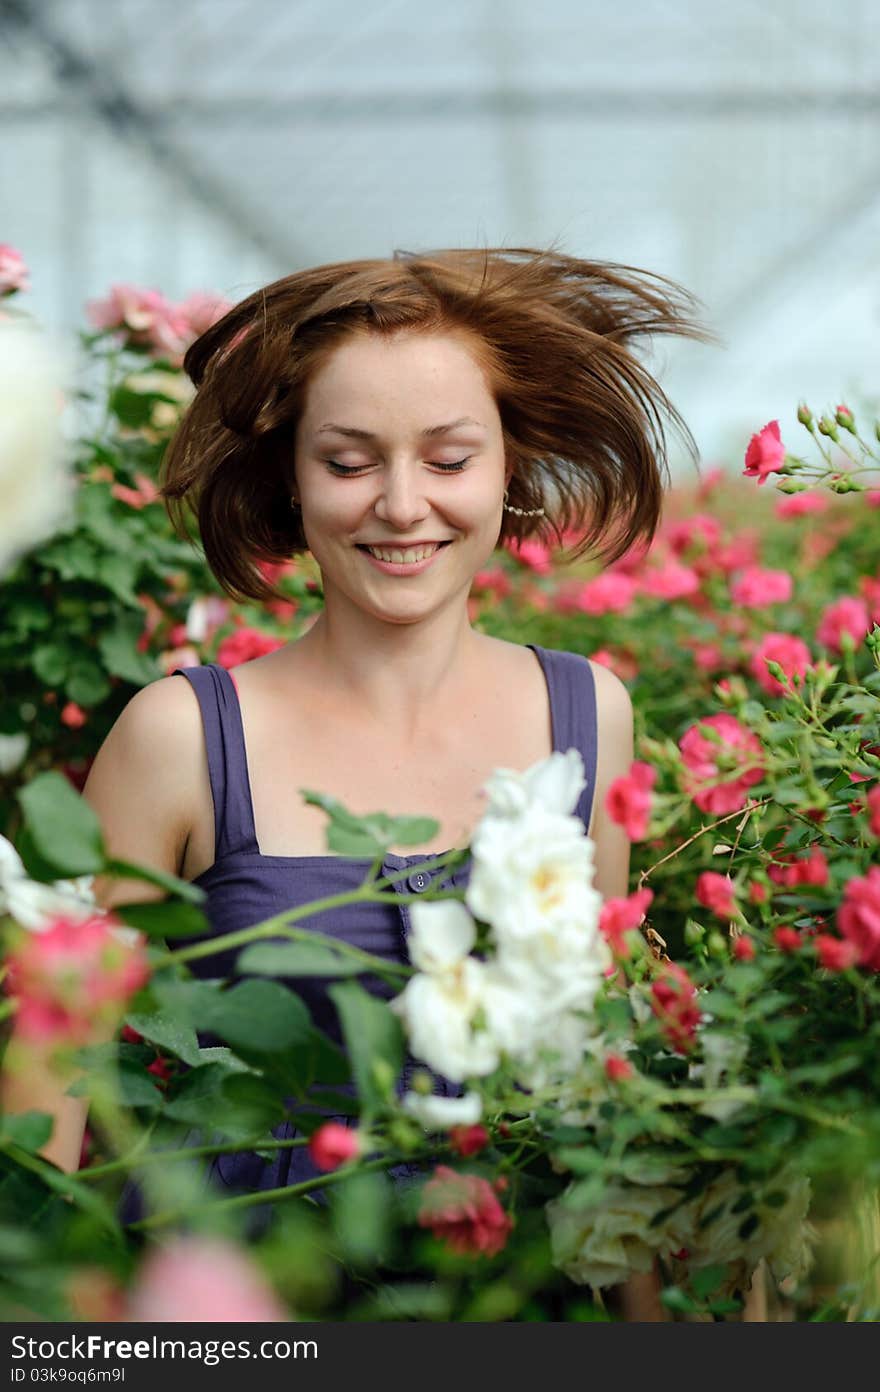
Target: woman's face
(374,470)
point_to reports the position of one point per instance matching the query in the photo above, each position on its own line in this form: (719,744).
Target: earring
(522,512)
(294,502)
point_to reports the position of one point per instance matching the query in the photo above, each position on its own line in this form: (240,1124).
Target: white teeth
(399,557)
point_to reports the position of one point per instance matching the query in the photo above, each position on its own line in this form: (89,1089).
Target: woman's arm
(139,785)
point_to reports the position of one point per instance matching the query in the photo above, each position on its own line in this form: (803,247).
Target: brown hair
(582,419)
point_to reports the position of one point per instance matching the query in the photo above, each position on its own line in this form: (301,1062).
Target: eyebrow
(429,433)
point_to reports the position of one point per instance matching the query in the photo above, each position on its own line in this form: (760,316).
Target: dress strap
(227,758)
(573,709)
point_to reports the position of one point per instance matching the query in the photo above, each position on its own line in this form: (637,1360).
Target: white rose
(438,1011)
(555,784)
(442,934)
(13,749)
(439,1113)
(36,486)
(531,873)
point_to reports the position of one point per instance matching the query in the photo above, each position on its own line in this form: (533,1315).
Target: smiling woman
(397,418)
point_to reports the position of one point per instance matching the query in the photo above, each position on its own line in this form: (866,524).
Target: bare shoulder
(615,739)
(144,780)
(613,701)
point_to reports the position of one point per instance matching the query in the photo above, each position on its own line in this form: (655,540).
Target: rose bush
(683,1079)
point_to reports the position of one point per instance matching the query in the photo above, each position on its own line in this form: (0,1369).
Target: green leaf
(86,682)
(163,919)
(167,1032)
(361,1211)
(30,1130)
(118,648)
(372,1035)
(237,1106)
(50,662)
(65,831)
(296,959)
(674,1298)
(707,1279)
(254,1016)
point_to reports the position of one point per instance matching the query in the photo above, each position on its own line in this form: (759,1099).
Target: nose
(401,501)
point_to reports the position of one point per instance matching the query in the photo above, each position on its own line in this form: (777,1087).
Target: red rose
(463,1212)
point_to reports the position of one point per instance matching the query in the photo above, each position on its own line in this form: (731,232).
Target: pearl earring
(294,503)
(522,512)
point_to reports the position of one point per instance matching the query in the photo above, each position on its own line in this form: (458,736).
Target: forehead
(401,373)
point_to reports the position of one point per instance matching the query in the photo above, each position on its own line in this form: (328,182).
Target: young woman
(397,418)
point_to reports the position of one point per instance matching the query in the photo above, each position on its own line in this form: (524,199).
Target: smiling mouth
(408,553)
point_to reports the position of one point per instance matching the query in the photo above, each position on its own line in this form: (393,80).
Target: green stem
(188,1152)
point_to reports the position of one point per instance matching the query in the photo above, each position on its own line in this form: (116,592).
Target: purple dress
(244,887)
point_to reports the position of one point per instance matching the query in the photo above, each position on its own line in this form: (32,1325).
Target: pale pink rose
(705,760)
(463,1212)
(143,317)
(611,592)
(204,616)
(716,892)
(765,454)
(847,615)
(672,580)
(792,654)
(858,917)
(201,310)
(628,800)
(800,504)
(197,1279)
(754,588)
(13,271)
(333,1144)
(69,978)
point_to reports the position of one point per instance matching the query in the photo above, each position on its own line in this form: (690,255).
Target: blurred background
(218,144)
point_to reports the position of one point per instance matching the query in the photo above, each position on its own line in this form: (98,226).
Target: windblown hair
(582,419)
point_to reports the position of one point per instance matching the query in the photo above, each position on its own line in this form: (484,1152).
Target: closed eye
(343,469)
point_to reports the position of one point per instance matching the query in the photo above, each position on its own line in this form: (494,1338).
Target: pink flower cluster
(858,918)
(463,1212)
(790,870)
(674,1002)
(618,917)
(146,319)
(792,654)
(13,271)
(246,643)
(708,765)
(71,977)
(628,800)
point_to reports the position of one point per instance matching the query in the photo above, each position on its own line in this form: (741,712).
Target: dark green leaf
(167,1032)
(707,1279)
(86,682)
(65,831)
(30,1130)
(373,1036)
(163,919)
(296,959)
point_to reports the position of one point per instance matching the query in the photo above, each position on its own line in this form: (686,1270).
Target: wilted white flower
(715,1222)
(35,481)
(439,1113)
(601,1241)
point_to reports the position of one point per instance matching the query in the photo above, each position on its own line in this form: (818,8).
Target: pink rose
(672,580)
(201,310)
(71,977)
(717,892)
(13,271)
(144,318)
(847,615)
(245,644)
(790,869)
(463,1212)
(755,588)
(708,657)
(702,530)
(610,593)
(858,917)
(740,552)
(196,1279)
(800,504)
(765,454)
(138,497)
(792,654)
(617,917)
(468,1140)
(674,1002)
(333,1144)
(628,800)
(495,580)
(617,1068)
(739,752)
(787,939)
(834,954)
(531,553)
(743,948)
